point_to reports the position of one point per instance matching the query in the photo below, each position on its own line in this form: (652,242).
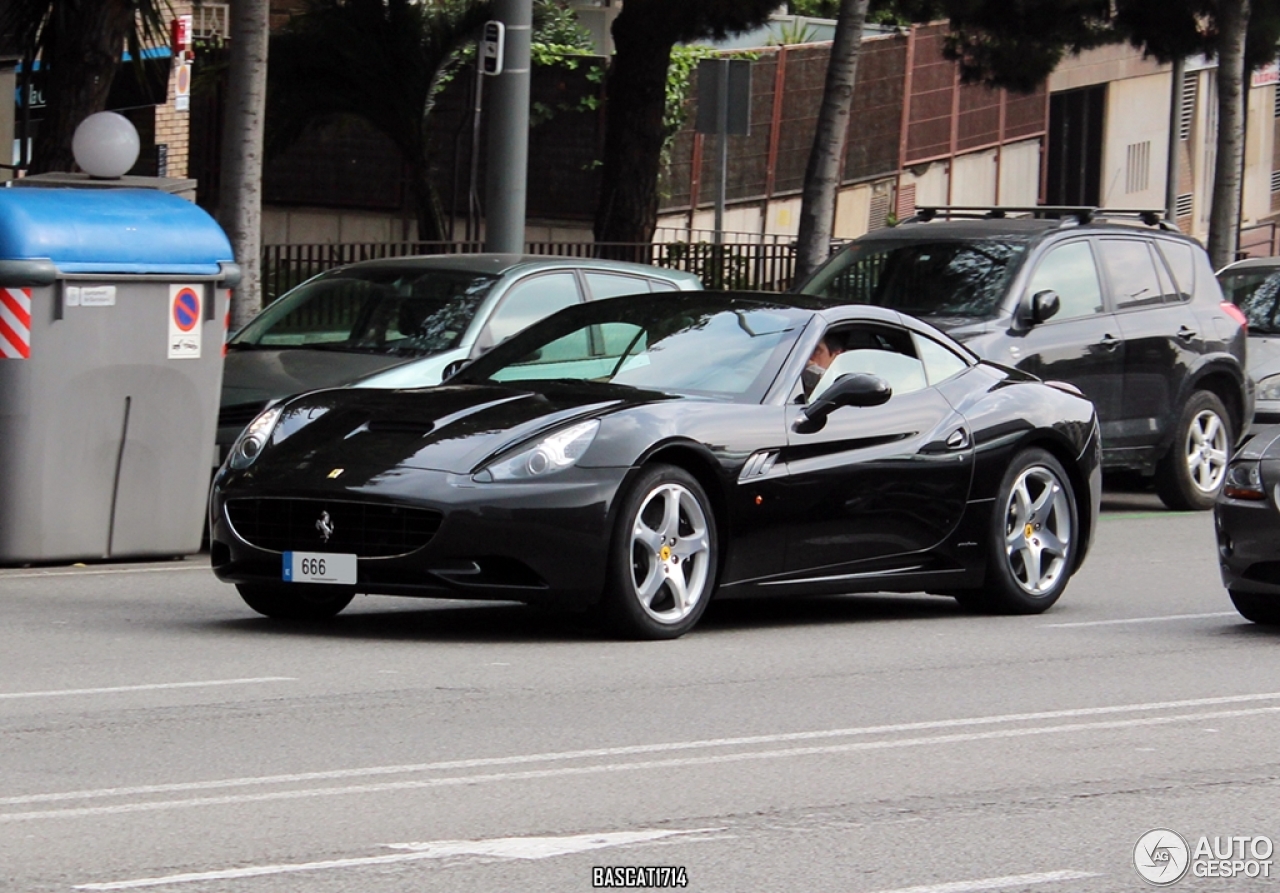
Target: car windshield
(702,344)
(398,310)
(941,279)
(1256,292)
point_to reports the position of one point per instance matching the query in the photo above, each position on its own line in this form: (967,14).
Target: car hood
(255,376)
(372,433)
(1264,356)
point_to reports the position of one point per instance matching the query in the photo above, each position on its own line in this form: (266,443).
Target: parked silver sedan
(432,313)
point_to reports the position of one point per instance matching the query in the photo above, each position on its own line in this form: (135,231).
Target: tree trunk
(240,197)
(1224,215)
(636,96)
(84,51)
(826,158)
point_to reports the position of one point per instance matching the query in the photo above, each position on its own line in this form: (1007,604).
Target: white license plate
(319,567)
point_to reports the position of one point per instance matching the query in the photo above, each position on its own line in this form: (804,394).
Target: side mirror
(852,389)
(1044,304)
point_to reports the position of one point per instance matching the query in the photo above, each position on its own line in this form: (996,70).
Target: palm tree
(240,196)
(826,158)
(79,44)
(380,60)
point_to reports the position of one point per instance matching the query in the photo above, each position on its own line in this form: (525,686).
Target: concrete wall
(1135,149)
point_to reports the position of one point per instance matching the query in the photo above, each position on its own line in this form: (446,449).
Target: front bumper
(1248,534)
(544,541)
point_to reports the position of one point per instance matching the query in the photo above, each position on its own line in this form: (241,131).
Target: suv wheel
(1192,471)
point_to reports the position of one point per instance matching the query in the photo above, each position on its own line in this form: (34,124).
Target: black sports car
(1248,527)
(638,455)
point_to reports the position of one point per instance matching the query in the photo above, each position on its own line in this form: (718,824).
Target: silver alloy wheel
(670,553)
(1206,451)
(1037,531)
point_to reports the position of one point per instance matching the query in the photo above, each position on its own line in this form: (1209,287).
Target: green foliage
(818,9)
(793,32)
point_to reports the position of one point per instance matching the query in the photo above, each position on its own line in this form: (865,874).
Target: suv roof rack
(1071,215)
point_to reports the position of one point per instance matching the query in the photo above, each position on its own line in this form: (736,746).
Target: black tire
(294,601)
(652,561)
(1202,438)
(1033,536)
(1261,609)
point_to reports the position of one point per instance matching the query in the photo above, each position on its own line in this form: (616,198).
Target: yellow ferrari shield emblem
(337,472)
(665,554)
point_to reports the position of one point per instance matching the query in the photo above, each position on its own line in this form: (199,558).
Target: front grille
(238,416)
(366,529)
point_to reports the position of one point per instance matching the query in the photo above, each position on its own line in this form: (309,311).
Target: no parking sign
(185,314)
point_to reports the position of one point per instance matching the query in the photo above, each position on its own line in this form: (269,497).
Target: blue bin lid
(111,231)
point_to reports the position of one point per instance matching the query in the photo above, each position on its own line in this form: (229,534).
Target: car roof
(1251,263)
(1025,228)
(498,264)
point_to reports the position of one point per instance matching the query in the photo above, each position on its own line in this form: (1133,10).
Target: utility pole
(508,150)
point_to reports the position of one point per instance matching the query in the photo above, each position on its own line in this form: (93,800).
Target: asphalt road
(154,734)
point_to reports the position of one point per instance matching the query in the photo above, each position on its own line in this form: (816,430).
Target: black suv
(1118,303)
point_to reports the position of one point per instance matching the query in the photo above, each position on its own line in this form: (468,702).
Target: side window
(662,285)
(1168,291)
(611,285)
(1130,272)
(1070,271)
(877,350)
(529,301)
(1181,259)
(940,363)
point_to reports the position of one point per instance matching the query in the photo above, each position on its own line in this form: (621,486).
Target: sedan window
(529,301)
(403,311)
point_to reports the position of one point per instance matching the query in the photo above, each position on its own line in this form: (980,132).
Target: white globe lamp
(105,145)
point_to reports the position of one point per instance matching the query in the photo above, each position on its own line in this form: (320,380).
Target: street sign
(492,45)
(724,96)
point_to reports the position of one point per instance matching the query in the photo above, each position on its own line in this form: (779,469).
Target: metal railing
(1262,240)
(749,266)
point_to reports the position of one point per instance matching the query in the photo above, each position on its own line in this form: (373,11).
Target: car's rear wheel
(1191,473)
(662,567)
(1033,538)
(294,602)
(1258,608)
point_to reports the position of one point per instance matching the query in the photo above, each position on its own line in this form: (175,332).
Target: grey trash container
(113,307)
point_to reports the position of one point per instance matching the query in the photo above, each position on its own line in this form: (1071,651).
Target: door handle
(1108,343)
(1185,333)
(958,439)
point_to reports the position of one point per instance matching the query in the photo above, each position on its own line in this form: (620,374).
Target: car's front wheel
(294,602)
(1191,473)
(662,567)
(1033,535)
(1260,609)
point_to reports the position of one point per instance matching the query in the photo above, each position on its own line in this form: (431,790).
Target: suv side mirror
(1044,304)
(852,389)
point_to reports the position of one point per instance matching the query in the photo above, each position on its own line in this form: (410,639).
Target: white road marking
(94,571)
(597,769)
(997,883)
(558,756)
(1140,620)
(497,848)
(158,686)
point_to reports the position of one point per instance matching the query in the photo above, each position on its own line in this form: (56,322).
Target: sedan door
(875,484)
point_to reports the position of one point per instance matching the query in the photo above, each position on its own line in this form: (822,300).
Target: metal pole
(1175,138)
(508,153)
(722,136)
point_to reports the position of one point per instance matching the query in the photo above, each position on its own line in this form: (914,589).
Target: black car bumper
(528,541)
(1248,545)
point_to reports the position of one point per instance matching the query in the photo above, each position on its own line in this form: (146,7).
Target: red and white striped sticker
(15,323)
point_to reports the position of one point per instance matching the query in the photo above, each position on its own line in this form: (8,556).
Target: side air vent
(758,465)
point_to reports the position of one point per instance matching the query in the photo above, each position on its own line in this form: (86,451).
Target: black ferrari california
(1247,522)
(636,456)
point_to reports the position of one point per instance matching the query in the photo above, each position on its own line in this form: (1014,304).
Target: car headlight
(253,440)
(1269,388)
(553,453)
(1244,480)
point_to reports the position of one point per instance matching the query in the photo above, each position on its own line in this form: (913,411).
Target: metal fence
(762,266)
(1262,240)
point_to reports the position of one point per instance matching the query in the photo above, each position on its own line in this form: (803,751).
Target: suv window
(1131,272)
(945,278)
(1182,261)
(1070,271)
